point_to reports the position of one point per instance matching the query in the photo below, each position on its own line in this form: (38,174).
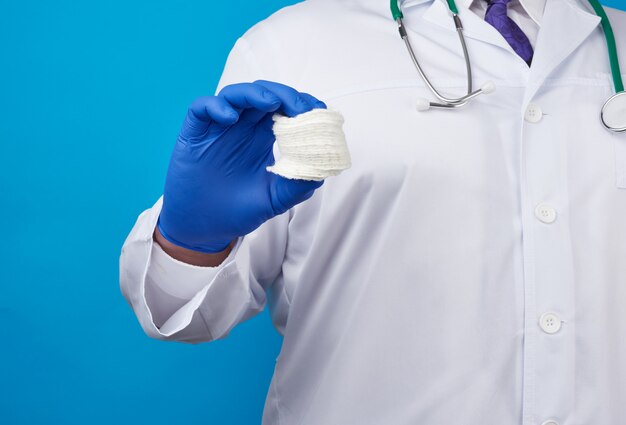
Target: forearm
(188,256)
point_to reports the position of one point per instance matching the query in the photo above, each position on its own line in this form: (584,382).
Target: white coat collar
(534,8)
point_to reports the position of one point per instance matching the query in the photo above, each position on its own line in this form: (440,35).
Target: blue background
(92,95)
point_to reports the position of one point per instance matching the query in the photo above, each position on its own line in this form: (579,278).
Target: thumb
(286,193)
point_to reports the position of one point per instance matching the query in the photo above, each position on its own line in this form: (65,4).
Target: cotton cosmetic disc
(312,145)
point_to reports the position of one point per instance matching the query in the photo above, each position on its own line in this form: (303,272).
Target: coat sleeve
(180,302)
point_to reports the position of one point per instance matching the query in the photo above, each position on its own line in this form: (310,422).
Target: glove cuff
(207,249)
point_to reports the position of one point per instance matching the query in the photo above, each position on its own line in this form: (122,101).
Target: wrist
(191,256)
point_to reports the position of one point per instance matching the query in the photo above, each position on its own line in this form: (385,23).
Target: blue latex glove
(217,187)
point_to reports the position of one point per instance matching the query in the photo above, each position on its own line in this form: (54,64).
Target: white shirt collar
(534,8)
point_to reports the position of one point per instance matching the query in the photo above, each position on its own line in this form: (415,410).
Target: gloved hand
(217,187)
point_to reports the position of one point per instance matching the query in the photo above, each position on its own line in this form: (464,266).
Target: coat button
(545,213)
(550,323)
(533,113)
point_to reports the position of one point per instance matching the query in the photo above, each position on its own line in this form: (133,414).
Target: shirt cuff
(182,280)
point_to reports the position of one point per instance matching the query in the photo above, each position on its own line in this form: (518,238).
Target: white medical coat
(470,268)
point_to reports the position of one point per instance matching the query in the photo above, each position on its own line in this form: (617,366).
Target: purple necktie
(497,17)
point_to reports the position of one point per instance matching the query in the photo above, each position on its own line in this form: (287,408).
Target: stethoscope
(612,115)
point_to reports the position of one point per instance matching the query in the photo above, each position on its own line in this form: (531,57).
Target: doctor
(470,268)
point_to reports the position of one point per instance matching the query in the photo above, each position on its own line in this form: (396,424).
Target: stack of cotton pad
(312,145)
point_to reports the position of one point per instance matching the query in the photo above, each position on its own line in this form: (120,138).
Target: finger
(212,108)
(293,103)
(313,101)
(287,193)
(254,116)
(250,96)
(205,111)
(266,124)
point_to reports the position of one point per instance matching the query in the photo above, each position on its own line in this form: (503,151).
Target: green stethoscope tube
(606,26)
(395,10)
(397,13)
(610,43)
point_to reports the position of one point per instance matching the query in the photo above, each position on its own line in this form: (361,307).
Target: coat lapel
(473,26)
(564,27)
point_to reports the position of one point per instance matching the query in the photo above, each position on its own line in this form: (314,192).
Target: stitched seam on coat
(599,81)
(206,324)
(286,296)
(276,398)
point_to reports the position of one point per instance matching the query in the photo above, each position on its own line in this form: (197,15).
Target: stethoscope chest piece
(613,112)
